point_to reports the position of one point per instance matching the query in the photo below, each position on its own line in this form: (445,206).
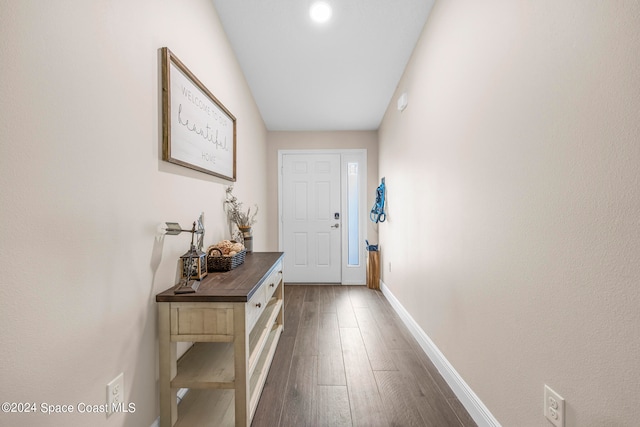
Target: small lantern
(194,261)
(194,264)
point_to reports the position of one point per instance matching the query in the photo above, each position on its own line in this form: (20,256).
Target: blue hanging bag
(377,211)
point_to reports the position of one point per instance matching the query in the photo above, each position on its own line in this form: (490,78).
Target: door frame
(350,275)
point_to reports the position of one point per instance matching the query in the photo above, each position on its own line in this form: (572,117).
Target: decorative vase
(247,236)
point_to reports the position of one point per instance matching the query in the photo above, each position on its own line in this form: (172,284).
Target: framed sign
(198,131)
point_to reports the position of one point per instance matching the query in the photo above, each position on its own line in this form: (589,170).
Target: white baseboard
(181,393)
(463,392)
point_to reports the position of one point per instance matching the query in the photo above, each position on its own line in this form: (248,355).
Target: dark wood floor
(345,358)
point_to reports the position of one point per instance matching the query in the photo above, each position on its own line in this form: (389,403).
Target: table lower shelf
(215,406)
(207,407)
(210,364)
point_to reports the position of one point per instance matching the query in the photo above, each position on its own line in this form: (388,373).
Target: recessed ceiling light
(320,12)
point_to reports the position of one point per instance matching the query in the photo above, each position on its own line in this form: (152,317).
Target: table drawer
(192,319)
(271,284)
(255,307)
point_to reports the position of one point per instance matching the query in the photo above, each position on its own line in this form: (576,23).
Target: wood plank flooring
(346,359)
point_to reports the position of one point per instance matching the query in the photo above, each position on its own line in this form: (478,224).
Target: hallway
(345,358)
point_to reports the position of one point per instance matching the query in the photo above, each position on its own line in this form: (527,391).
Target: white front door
(311,217)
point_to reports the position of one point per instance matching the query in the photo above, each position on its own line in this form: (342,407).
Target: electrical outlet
(115,393)
(553,407)
(389,266)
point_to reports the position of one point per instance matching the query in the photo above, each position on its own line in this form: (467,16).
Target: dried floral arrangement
(234,211)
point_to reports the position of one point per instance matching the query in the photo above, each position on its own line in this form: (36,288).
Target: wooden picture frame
(198,132)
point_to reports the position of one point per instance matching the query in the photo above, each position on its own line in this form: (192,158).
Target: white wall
(83,186)
(285,140)
(514,202)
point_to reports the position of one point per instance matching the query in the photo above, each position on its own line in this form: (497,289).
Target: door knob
(335,226)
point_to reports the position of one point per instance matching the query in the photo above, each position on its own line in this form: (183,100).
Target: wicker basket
(223,263)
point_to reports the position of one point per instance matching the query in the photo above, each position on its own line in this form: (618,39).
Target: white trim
(180,395)
(472,403)
(361,155)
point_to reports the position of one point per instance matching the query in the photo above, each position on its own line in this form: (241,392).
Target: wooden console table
(234,320)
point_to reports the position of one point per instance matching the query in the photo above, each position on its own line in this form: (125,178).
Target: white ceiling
(336,76)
